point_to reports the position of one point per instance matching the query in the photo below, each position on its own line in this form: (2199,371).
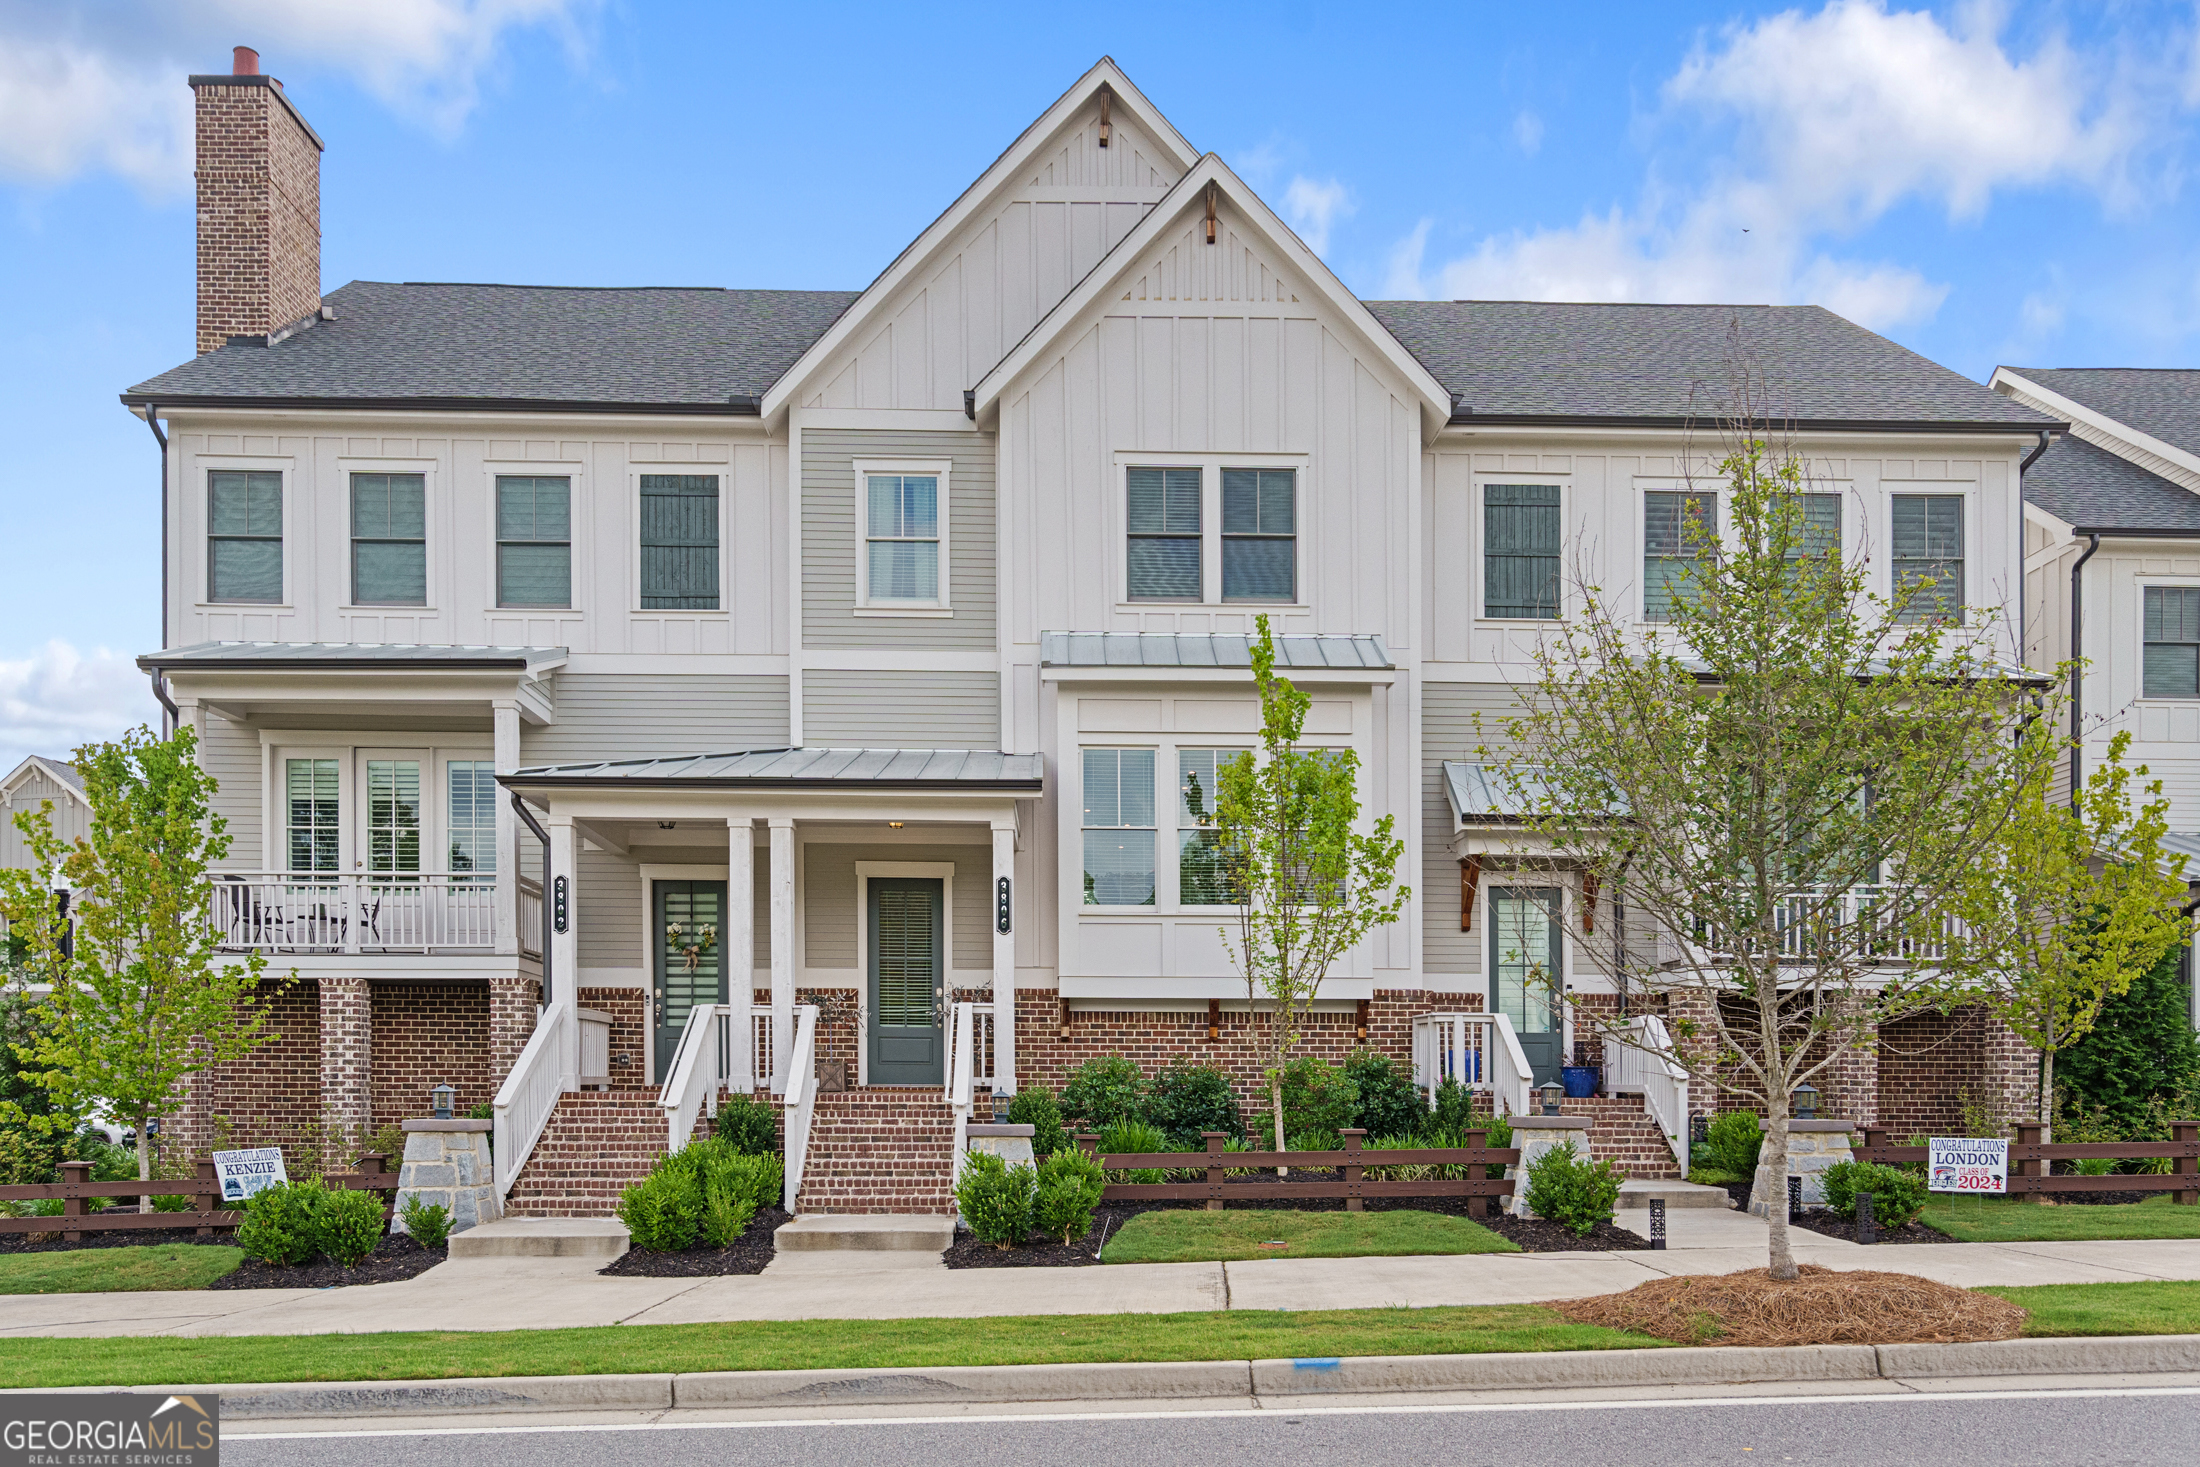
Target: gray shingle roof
(459,345)
(2163,402)
(1184,649)
(2088,487)
(845,769)
(286,656)
(1530,360)
(58,769)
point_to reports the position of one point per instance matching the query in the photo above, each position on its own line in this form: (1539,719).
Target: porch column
(739,946)
(565,944)
(1004,958)
(347,1067)
(782,879)
(507,854)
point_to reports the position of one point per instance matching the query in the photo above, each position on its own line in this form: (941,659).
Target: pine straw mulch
(1822,1307)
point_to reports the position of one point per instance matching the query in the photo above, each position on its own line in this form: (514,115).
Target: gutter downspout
(2024,612)
(160,683)
(2077,660)
(519,808)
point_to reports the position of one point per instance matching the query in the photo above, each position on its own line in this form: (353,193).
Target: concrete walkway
(557,1293)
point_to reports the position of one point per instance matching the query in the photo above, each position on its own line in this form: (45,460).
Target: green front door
(690,968)
(1527,963)
(908,981)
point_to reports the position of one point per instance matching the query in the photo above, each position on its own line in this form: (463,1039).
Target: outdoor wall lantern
(1552,1092)
(442,1095)
(1806,1102)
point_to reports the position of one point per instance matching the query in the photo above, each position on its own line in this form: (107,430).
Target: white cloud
(1528,133)
(58,698)
(1313,205)
(1831,119)
(101,87)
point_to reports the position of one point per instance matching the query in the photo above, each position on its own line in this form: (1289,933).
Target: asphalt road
(2038,1429)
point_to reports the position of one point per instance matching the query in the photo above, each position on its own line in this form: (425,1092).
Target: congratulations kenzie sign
(1966,1164)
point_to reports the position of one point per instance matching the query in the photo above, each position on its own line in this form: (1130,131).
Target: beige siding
(831,529)
(901,710)
(649,715)
(230,752)
(1449,731)
(609,911)
(67,818)
(829,900)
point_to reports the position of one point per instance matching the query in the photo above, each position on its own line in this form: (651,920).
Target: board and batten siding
(230,752)
(900,709)
(832,536)
(1449,731)
(622,715)
(69,817)
(829,901)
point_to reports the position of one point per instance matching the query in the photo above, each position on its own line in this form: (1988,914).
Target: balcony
(368,912)
(1857,921)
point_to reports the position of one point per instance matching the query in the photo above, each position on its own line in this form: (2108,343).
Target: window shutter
(1521,528)
(679,542)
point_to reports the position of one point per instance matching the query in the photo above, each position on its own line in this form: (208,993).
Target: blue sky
(1984,183)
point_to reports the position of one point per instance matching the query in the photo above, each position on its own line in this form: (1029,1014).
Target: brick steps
(598,1143)
(880,1151)
(1622,1132)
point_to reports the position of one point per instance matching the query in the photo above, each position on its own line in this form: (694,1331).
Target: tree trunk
(2044,1103)
(145,1163)
(1773,1160)
(1275,1112)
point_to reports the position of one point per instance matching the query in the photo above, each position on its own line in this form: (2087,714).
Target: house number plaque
(557,904)
(1000,905)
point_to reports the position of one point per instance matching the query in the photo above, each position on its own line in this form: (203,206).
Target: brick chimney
(259,175)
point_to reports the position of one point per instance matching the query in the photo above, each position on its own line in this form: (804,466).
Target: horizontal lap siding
(605,715)
(1448,732)
(829,890)
(231,753)
(831,532)
(901,710)
(609,910)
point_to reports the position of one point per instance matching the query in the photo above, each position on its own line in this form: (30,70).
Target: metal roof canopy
(341,656)
(1209,649)
(846,771)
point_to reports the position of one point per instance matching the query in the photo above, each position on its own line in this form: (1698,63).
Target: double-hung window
(244,536)
(2172,638)
(311,802)
(472,815)
(1259,534)
(534,540)
(1119,827)
(1821,534)
(389,539)
(1520,539)
(901,544)
(1162,514)
(1200,878)
(1928,556)
(1680,531)
(679,534)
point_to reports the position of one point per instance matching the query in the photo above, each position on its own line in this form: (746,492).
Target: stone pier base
(447,1164)
(1812,1147)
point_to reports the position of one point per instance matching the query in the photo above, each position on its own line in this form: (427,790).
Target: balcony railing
(366,912)
(1855,922)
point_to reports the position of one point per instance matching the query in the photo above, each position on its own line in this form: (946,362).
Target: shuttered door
(907,981)
(682,980)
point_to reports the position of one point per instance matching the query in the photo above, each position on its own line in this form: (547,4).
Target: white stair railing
(1480,1051)
(1644,1066)
(969,1066)
(801,1097)
(692,1081)
(530,1094)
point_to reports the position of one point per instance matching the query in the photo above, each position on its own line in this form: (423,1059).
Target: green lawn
(1203,1237)
(2010,1220)
(812,1344)
(2107,1309)
(111,1270)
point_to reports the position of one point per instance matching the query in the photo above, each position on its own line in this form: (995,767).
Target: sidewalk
(561,1293)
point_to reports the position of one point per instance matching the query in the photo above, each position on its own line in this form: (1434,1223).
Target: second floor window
(679,533)
(1520,539)
(1821,526)
(389,539)
(2172,637)
(902,538)
(244,536)
(1679,532)
(311,802)
(1259,534)
(534,541)
(1119,829)
(473,816)
(1928,556)
(1162,519)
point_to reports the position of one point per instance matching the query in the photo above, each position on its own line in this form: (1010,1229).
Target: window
(1678,531)
(244,536)
(2172,636)
(1821,526)
(393,814)
(1200,878)
(1520,532)
(902,538)
(1928,556)
(389,539)
(534,541)
(1162,515)
(679,533)
(1259,544)
(310,792)
(473,816)
(1119,791)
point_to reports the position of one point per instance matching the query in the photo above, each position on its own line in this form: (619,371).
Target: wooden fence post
(1353,1171)
(2188,1165)
(1214,1140)
(2028,1134)
(1874,1138)
(74,1174)
(208,1196)
(1477,1204)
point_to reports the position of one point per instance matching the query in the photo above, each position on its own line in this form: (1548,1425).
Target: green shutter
(679,542)
(1520,550)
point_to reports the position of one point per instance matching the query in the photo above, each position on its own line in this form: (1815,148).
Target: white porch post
(1004,959)
(507,852)
(565,944)
(740,942)
(782,879)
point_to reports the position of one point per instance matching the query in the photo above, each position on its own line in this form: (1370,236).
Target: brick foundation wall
(511,1021)
(429,1034)
(271,1097)
(629,1011)
(259,213)
(347,1061)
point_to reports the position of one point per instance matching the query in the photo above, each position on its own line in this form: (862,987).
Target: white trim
(575,473)
(653,872)
(32,764)
(634,474)
(2077,412)
(906,420)
(1478,542)
(1210,467)
(348,465)
(200,512)
(1974,537)
(2141,582)
(865,870)
(915,468)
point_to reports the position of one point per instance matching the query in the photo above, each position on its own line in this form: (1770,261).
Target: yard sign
(1966,1164)
(244,1173)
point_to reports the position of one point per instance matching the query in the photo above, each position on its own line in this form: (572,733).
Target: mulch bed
(746,1254)
(133,1238)
(394,1259)
(1821,1307)
(1834,1225)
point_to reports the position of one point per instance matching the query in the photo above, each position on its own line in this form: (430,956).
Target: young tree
(1308,882)
(2066,907)
(1783,775)
(140,1000)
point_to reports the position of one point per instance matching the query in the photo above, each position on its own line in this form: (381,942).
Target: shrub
(1134,1135)
(730,1185)
(1037,1109)
(1572,1192)
(426,1223)
(1104,1091)
(750,1125)
(1897,1196)
(278,1225)
(1187,1100)
(347,1225)
(1318,1098)
(664,1209)
(1312,1141)
(2141,1048)
(1731,1142)
(177,1202)
(995,1198)
(1454,1108)
(1389,1105)
(1068,1195)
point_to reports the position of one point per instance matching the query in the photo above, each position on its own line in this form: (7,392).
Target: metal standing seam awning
(844,771)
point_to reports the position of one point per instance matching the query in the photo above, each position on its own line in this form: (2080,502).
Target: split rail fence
(2031,1162)
(205,1216)
(1218,1189)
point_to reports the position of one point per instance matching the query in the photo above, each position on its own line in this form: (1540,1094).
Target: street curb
(1123,1381)
(1373,1374)
(2077,1355)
